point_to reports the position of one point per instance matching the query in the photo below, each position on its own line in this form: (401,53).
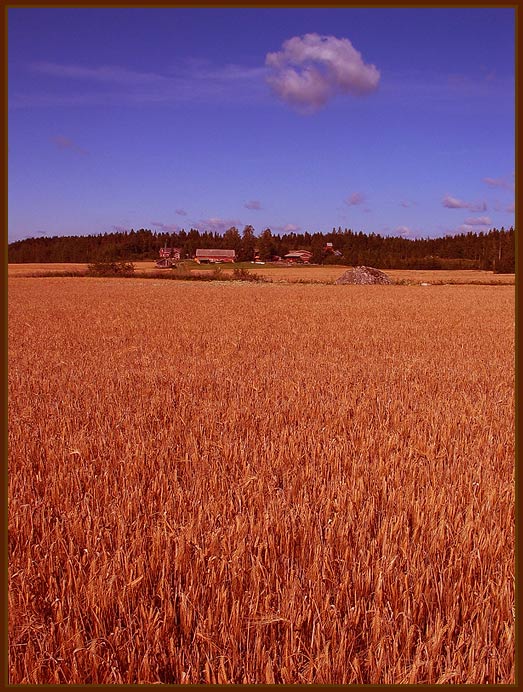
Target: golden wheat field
(238,483)
(329,274)
(295,274)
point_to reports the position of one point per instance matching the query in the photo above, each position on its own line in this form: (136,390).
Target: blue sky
(392,121)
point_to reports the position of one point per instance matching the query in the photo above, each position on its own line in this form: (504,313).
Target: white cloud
(454,203)
(288,228)
(181,212)
(403,231)
(252,204)
(311,69)
(478,221)
(511,208)
(502,183)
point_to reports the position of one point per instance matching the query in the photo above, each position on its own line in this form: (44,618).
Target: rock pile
(363,275)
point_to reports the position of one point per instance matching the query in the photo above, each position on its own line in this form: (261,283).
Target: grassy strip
(59,274)
(238,275)
(215,275)
(451,282)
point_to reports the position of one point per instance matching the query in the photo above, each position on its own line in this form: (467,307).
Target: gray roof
(298,253)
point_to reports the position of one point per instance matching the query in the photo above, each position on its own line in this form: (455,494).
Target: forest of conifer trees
(494,250)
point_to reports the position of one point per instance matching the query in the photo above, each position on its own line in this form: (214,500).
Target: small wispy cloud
(499,183)
(440,88)
(504,207)
(454,203)
(310,70)
(215,224)
(288,228)
(62,142)
(166,227)
(489,75)
(478,221)
(406,204)
(467,228)
(404,231)
(181,212)
(355,198)
(104,73)
(194,81)
(252,204)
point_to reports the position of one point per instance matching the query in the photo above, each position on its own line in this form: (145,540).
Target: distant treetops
(493,251)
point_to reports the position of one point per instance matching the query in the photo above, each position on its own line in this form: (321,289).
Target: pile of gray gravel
(363,275)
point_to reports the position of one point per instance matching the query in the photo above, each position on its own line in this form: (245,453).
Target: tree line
(493,250)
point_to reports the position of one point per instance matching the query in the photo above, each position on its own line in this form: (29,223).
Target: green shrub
(242,274)
(110,269)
